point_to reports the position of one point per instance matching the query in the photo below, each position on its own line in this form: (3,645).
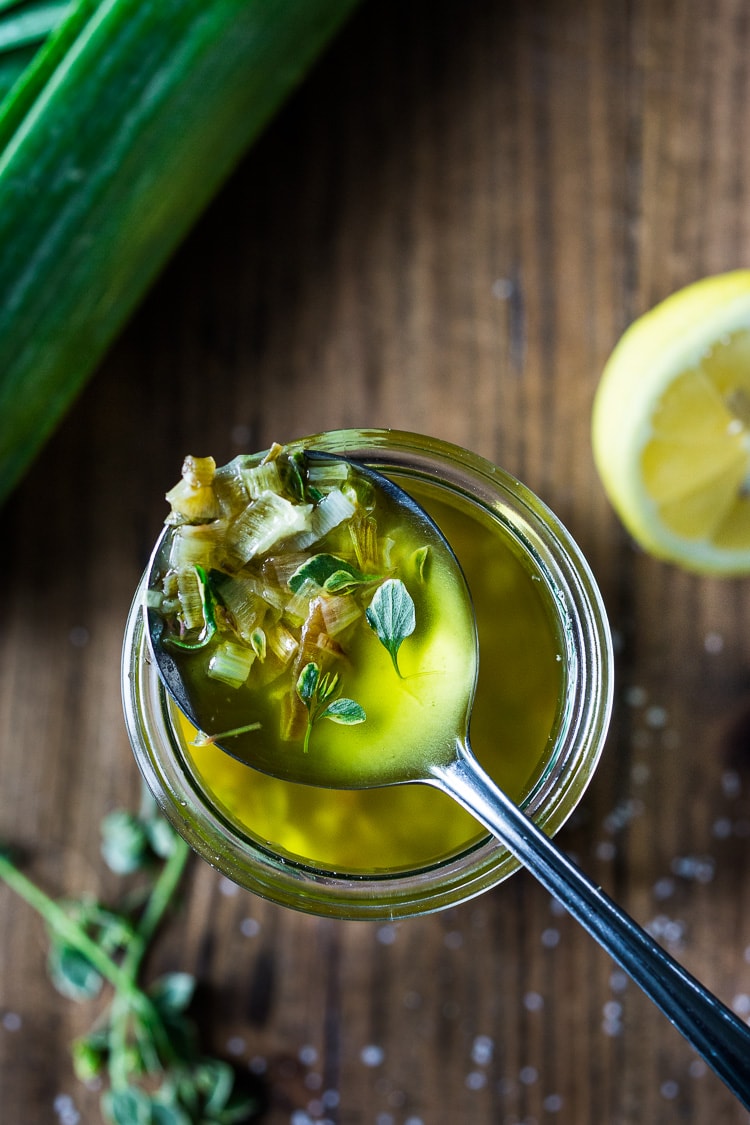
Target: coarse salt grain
(713,643)
(635,696)
(372,1055)
(656,717)
(550,938)
(12,1021)
(533,1002)
(482,1050)
(741,1004)
(475,1080)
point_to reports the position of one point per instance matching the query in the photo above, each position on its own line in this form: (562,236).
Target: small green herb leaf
(315,691)
(124,842)
(345,711)
(173,992)
(331,573)
(392,616)
(72,973)
(130,1106)
(307,683)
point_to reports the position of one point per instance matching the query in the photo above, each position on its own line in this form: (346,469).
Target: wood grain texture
(445,231)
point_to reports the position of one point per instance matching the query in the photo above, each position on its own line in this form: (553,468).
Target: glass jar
(527,550)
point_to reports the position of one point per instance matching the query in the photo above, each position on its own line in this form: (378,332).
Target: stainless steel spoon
(715,1032)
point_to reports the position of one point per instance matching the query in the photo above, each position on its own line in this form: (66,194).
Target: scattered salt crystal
(699,868)
(453,939)
(235,1045)
(618,981)
(533,1002)
(528,1075)
(386,935)
(481,1050)
(65,1109)
(249,927)
(669,1090)
(713,643)
(722,828)
(606,851)
(12,1021)
(331,1098)
(640,773)
(731,783)
(299,1117)
(502,288)
(698,1069)
(622,814)
(553,1103)
(550,938)
(666,929)
(307,1055)
(413,1121)
(313,1081)
(79,636)
(475,1080)
(656,717)
(557,908)
(384,1119)
(663,888)
(372,1055)
(257,1065)
(227,887)
(635,696)
(741,1004)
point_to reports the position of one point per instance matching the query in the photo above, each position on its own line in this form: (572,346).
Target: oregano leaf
(392,616)
(345,711)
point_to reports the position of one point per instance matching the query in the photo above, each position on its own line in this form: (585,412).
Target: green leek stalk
(116,136)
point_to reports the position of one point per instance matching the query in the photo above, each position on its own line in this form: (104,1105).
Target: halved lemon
(671,427)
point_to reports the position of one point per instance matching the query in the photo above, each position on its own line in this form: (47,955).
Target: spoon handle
(709,1026)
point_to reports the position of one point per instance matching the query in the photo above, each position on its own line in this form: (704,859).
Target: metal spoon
(715,1032)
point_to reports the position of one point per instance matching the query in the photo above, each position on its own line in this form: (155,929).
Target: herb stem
(158,901)
(66,927)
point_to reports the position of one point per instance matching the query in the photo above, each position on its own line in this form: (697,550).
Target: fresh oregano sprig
(145,1045)
(319,695)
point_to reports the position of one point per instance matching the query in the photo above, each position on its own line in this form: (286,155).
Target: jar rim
(580,733)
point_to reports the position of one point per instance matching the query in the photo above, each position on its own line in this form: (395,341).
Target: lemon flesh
(671,427)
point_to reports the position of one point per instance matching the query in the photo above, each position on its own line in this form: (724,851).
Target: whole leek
(116,135)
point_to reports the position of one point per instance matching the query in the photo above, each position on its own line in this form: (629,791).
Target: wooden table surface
(445,230)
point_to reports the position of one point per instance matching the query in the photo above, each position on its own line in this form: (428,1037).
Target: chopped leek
(279,589)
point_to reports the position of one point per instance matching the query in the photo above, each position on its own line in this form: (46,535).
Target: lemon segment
(671,427)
